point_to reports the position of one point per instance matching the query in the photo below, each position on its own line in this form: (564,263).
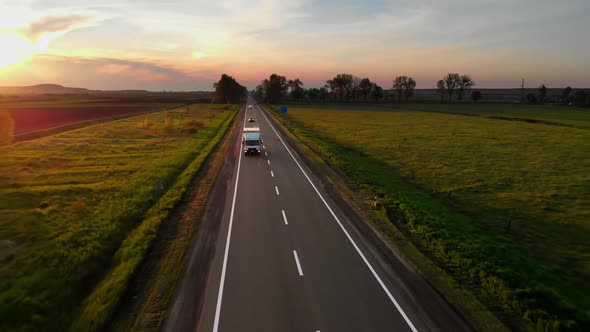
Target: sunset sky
(187,45)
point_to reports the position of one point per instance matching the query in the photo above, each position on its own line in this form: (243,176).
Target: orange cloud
(52,24)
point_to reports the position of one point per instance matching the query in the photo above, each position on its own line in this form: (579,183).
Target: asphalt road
(276,253)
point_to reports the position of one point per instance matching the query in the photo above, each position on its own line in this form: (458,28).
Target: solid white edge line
(225,255)
(358,250)
(272,174)
(277,190)
(285,217)
(297,262)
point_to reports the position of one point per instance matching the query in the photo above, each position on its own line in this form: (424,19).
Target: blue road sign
(283,109)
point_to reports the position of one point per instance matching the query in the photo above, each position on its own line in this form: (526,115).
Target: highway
(276,253)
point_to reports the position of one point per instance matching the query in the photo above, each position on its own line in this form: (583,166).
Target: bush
(192,127)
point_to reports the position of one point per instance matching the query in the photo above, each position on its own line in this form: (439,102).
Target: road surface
(275,253)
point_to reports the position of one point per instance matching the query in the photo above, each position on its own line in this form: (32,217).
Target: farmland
(78,211)
(503,206)
(35,115)
(555,114)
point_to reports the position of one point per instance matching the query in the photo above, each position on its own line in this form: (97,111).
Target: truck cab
(251,140)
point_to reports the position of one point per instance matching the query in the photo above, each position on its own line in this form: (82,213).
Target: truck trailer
(251,140)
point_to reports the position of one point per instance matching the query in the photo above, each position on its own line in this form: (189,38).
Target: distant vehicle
(250,119)
(250,106)
(251,140)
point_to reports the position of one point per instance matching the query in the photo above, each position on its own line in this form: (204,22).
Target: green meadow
(78,211)
(503,206)
(569,116)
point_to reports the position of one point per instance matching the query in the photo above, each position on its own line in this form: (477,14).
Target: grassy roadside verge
(155,283)
(99,307)
(318,151)
(68,201)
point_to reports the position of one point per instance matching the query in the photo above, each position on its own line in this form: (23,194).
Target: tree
(542,93)
(441,89)
(365,87)
(376,92)
(476,96)
(464,84)
(296,86)
(341,86)
(354,88)
(275,87)
(451,82)
(409,88)
(324,93)
(6,128)
(313,94)
(259,92)
(399,84)
(228,91)
(566,95)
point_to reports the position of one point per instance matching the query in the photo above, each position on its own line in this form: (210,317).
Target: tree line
(350,88)
(342,88)
(567,97)
(346,88)
(457,85)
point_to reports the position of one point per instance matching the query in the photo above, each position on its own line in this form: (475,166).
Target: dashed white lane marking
(356,247)
(285,217)
(268,161)
(266,154)
(298,264)
(272,174)
(277,190)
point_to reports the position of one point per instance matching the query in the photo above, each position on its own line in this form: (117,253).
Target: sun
(13,49)
(199,55)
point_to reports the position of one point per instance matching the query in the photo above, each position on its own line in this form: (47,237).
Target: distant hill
(56,89)
(43,89)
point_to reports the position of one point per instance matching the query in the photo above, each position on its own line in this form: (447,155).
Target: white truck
(251,140)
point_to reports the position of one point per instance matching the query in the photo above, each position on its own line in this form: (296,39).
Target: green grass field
(554,113)
(73,205)
(504,206)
